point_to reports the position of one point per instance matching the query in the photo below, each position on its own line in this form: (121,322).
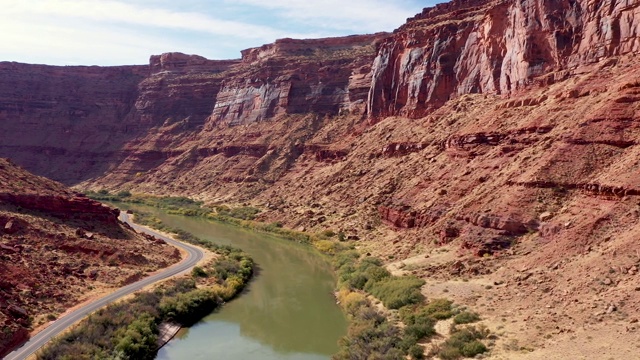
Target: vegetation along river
(287,312)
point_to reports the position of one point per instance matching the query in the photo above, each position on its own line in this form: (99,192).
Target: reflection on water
(287,312)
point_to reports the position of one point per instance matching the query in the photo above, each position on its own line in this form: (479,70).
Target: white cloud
(42,42)
(121,12)
(365,15)
(109,32)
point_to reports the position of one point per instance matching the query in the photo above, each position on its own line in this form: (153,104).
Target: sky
(127,32)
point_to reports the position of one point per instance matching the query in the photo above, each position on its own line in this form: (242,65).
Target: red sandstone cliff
(97,118)
(291,76)
(494,47)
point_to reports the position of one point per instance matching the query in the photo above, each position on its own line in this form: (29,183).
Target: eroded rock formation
(494,47)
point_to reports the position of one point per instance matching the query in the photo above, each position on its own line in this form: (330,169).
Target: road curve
(194,255)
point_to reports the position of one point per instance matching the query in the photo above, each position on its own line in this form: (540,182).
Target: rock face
(99,120)
(96,116)
(72,116)
(291,76)
(494,47)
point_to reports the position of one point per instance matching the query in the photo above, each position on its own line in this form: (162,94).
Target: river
(287,311)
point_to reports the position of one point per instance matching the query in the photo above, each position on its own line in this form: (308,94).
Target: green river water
(287,312)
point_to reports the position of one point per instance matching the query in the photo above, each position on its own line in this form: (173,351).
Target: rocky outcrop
(471,145)
(402,148)
(78,207)
(324,76)
(594,189)
(526,94)
(508,224)
(494,47)
(406,218)
(183,62)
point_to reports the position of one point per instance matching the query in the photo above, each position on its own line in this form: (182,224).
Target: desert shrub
(357,280)
(416,352)
(180,286)
(363,274)
(327,246)
(439,309)
(349,257)
(370,336)
(198,272)
(449,353)
(175,202)
(396,292)
(328,233)
(139,340)
(353,302)
(463,343)
(466,317)
(419,325)
(243,212)
(376,273)
(190,307)
(224,268)
(473,348)
(368,261)
(124,194)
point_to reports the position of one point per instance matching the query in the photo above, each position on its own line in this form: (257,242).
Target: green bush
(243,212)
(396,292)
(175,202)
(416,352)
(124,194)
(139,340)
(198,272)
(225,267)
(463,342)
(370,336)
(473,348)
(419,326)
(328,233)
(188,308)
(343,258)
(449,353)
(466,317)
(439,309)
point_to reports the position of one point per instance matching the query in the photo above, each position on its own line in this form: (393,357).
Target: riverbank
(287,312)
(130,328)
(240,216)
(388,314)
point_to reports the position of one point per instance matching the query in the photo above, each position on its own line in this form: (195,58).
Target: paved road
(194,255)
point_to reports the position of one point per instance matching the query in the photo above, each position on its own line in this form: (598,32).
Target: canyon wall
(95,116)
(494,47)
(306,111)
